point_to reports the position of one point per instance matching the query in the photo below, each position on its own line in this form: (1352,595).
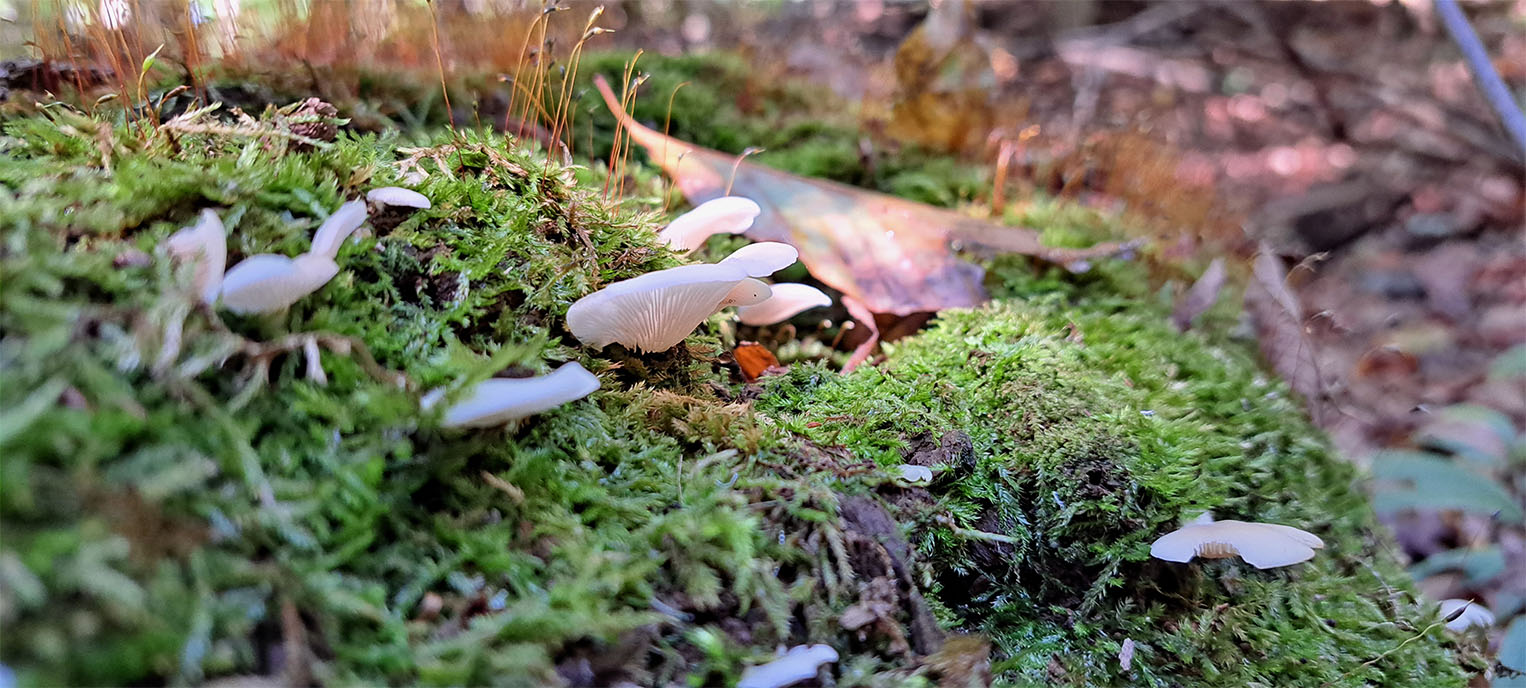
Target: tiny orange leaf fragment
(755,360)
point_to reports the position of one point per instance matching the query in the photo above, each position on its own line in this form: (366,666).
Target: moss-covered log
(183,499)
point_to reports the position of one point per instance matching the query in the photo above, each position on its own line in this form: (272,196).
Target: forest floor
(1344,136)
(1347,136)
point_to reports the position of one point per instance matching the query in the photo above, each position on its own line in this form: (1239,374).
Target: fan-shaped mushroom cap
(1473,614)
(748,292)
(799,664)
(657,310)
(398,196)
(332,233)
(206,243)
(915,475)
(267,282)
(763,258)
(1262,545)
(788,300)
(500,400)
(724,215)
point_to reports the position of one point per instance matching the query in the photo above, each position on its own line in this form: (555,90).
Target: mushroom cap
(398,196)
(1262,545)
(915,475)
(788,300)
(338,227)
(500,400)
(748,292)
(206,242)
(657,310)
(267,282)
(1473,614)
(763,258)
(724,215)
(799,664)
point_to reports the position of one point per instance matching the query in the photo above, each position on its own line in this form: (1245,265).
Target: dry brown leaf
(890,254)
(1279,324)
(755,361)
(1203,294)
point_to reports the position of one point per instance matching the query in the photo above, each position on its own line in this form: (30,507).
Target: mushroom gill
(655,311)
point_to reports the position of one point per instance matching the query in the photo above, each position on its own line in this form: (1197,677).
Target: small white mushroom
(267,282)
(398,196)
(788,300)
(655,311)
(763,258)
(799,664)
(205,243)
(915,475)
(500,400)
(1472,614)
(1262,545)
(725,215)
(338,227)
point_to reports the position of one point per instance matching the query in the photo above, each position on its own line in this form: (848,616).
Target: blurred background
(1350,137)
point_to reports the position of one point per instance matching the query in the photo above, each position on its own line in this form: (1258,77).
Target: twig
(976,534)
(1484,76)
(1386,653)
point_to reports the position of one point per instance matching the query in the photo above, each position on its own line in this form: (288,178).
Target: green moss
(173,514)
(1095,427)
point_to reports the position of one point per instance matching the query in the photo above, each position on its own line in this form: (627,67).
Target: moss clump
(1092,428)
(181,501)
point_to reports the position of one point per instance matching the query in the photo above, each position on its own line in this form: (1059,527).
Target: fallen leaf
(755,360)
(1203,294)
(1279,324)
(890,254)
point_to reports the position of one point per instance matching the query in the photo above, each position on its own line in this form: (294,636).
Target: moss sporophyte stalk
(183,500)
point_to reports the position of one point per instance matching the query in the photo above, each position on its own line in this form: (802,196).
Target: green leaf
(1420,480)
(1480,565)
(1513,646)
(1476,433)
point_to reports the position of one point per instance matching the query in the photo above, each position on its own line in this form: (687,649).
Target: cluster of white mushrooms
(654,312)
(269,282)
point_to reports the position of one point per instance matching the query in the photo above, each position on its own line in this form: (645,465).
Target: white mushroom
(338,227)
(915,475)
(1472,614)
(206,243)
(725,215)
(788,300)
(763,258)
(1262,545)
(799,664)
(657,310)
(398,196)
(500,400)
(267,282)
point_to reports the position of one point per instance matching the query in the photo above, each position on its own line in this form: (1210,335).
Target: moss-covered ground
(183,501)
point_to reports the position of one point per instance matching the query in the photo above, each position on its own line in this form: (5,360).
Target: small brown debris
(756,361)
(315,119)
